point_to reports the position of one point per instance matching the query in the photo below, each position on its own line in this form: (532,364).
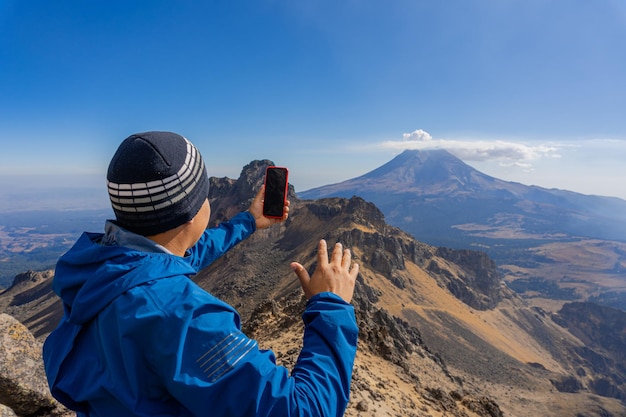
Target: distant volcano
(427,173)
(435,196)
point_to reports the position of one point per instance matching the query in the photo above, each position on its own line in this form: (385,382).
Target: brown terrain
(589,269)
(441,334)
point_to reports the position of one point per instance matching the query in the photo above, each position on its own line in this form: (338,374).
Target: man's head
(157,181)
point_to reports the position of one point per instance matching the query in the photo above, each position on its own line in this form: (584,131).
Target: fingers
(322,253)
(337,276)
(340,256)
(285,212)
(354,272)
(346,260)
(346,263)
(336,256)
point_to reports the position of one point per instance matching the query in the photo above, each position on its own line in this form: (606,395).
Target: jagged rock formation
(23,387)
(478,284)
(602,360)
(228,197)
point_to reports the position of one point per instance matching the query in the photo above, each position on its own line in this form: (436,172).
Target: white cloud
(509,153)
(418,135)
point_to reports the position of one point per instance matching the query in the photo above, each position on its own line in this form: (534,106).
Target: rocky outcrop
(228,196)
(31,301)
(597,325)
(603,332)
(478,283)
(23,387)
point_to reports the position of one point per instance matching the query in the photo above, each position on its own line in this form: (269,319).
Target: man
(139,338)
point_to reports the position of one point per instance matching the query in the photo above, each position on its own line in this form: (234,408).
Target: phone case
(276,187)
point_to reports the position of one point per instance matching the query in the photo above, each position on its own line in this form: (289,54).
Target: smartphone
(275,196)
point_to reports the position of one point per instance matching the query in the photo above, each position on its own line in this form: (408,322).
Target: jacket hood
(91,275)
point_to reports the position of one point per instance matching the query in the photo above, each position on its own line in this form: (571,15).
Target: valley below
(590,270)
(549,270)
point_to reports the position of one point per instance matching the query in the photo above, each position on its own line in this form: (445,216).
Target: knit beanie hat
(157,181)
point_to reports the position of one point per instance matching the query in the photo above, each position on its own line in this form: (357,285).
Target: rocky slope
(30,299)
(440,334)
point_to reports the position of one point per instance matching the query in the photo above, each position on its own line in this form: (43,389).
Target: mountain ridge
(441,335)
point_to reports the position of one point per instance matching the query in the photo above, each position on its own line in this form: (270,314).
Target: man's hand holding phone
(275,195)
(270,205)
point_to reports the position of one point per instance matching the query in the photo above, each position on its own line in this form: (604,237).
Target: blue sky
(532,91)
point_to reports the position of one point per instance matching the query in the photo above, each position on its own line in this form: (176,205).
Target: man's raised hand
(337,275)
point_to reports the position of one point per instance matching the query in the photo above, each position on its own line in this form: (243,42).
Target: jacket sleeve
(216,241)
(212,368)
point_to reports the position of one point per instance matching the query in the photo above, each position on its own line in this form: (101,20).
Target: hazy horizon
(88,191)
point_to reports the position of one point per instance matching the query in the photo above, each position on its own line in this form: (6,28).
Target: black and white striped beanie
(157,181)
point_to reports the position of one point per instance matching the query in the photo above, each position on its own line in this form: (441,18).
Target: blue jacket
(139,338)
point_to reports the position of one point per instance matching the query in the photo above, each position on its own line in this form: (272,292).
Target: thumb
(259,195)
(302,273)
